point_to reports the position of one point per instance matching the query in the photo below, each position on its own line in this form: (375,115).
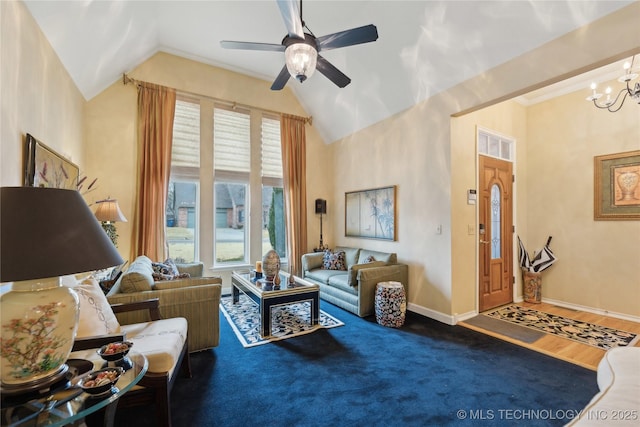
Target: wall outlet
(471,229)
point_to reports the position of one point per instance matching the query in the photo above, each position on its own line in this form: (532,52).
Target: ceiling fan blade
(291,15)
(332,73)
(366,34)
(281,80)
(228,44)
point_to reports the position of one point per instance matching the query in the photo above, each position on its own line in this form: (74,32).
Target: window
(273,218)
(242,171)
(182,198)
(495,145)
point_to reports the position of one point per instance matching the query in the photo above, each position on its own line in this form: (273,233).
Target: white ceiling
(424,47)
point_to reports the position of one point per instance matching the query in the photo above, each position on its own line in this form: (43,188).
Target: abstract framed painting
(46,168)
(617,186)
(371,213)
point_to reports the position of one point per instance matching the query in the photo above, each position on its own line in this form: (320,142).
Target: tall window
(182,199)
(242,167)
(273,222)
(232,167)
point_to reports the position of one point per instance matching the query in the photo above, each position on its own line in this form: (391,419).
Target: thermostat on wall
(471,197)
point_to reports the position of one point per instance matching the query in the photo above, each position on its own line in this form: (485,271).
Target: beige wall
(598,260)
(420,150)
(110,131)
(508,119)
(425,155)
(38,96)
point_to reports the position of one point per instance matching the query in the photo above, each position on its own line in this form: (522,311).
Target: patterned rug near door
(583,332)
(287,321)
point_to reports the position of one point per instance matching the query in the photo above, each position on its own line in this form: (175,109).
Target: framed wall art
(371,213)
(46,168)
(617,186)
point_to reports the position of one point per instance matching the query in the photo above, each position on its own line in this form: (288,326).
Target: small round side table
(390,304)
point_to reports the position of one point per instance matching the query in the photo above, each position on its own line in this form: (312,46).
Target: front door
(495,233)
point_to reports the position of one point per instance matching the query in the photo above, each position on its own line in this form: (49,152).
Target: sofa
(618,402)
(196,299)
(350,283)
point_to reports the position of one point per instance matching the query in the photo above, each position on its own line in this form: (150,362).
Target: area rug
(583,332)
(287,321)
(507,329)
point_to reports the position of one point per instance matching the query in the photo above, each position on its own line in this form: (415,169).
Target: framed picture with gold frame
(46,168)
(617,186)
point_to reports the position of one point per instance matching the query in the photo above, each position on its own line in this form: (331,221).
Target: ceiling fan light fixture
(301,59)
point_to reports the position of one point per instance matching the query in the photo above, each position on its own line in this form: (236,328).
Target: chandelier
(611,104)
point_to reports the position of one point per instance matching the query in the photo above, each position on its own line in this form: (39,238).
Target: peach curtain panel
(294,165)
(156,110)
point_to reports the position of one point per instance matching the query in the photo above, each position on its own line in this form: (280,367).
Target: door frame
(514,213)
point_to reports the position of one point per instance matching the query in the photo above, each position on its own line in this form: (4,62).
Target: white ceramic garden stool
(390,304)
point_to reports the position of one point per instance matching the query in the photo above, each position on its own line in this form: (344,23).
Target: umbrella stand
(532,270)
(532,283)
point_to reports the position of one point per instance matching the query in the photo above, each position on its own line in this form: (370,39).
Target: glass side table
(68,404)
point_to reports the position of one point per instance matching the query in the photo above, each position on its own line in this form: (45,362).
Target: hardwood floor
(571,351)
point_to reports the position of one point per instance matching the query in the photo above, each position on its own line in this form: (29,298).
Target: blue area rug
(362,374)
(287,321)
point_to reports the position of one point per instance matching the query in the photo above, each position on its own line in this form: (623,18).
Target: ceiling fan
(302,48)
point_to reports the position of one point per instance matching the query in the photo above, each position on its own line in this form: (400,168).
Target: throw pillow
(172,266)
(96,317)
(334,260)
(368,259)
(167,271)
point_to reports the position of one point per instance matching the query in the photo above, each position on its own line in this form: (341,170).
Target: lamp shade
(301,59)
(49,232)
(109,211)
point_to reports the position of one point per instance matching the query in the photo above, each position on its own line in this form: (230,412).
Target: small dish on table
(115,354)
(101,382)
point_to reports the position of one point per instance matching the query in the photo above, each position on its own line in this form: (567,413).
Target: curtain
(294,167)
(156,109)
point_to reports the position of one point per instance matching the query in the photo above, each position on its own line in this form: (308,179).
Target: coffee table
(267,297)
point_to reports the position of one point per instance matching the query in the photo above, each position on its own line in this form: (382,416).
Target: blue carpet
(363,374)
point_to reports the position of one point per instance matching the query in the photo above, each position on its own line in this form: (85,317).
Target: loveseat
(197,299)
(351,283)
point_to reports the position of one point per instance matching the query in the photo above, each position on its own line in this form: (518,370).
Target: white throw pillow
(96,316)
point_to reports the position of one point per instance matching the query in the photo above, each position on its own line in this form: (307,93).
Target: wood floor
(571,351)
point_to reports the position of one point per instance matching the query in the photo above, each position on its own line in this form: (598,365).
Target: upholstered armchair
(164,342)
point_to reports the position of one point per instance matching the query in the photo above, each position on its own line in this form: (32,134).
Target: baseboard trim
(432,314)
(593,310)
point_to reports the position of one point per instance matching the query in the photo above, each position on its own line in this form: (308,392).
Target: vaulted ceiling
(424,47)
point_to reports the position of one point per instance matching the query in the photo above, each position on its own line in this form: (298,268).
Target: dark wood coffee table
(267,296)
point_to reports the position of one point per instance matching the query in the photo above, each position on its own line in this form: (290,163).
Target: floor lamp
(321,208)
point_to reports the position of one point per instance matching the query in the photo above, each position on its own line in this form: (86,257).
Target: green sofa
(197,299)
(354,288)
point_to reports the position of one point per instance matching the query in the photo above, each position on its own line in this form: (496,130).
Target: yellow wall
(38,96)
(425,155)
(598,260)
(420,150)
(111,126)
(508,119)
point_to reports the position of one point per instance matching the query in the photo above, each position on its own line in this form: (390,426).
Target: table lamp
(45,233)
(107,213)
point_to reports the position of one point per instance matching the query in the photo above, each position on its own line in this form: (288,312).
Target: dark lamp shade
(49,232)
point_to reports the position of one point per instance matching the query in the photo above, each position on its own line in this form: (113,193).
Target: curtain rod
(126,80)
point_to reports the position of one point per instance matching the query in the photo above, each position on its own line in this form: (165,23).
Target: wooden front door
(495,233)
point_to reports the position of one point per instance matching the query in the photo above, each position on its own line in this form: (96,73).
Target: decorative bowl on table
(115,351)
(101,381)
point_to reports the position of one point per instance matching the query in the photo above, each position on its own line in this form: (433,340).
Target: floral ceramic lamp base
(39,322)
